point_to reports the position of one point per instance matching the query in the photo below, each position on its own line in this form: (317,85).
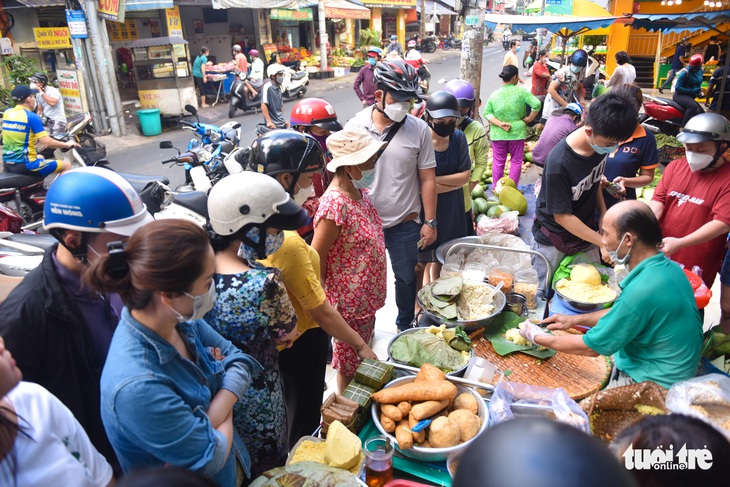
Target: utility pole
(423,20)
(322,37)
(472,47)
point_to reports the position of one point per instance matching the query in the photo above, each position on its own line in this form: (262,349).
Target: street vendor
(653,330)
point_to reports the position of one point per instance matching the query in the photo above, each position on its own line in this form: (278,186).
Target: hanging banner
(304,14)
(52,37)
(68,85)
(174,24)
(111,9)
(76,20)
(390,3)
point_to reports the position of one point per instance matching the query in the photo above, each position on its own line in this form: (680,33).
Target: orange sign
(111,9)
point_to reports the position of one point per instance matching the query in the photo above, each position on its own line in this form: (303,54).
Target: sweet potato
(405,408)
(429,372)
(424,410)
(430,390)
(466,401)
(392,412)
(388,424)
(404,437)
(419,437)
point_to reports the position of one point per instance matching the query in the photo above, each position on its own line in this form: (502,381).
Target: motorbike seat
(73,120)
(226,147)
(672,104)
(13,180)
(299,75)
(196,201)
(39,240)
(140,181)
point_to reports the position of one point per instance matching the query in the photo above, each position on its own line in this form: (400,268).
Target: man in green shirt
(654,329)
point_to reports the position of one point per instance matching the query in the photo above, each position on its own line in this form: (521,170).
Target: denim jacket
(154,401)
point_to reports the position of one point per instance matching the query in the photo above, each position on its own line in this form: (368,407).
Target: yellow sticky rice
(585,293)
(313,451)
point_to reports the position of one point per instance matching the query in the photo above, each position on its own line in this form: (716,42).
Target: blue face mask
(518,49)
(372,61)
(367,180)
(602,150)
(273,243)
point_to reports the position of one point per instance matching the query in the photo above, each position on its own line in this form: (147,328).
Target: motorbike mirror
(191,109)
(166,144)
(237,126)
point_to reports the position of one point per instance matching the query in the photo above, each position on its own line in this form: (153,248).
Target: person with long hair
(41,443)
(170,382)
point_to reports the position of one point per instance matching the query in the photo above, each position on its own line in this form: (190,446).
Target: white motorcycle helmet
(274,69)
(248,199)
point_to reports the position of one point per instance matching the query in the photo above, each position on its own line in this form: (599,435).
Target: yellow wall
(376,19)
(657,8)
(618,37)
(400,25)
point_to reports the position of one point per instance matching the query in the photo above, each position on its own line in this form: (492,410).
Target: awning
(433,7)
(158,41)
(135,5)
(680,22)
(342,9)
(563,25)
(256,4)
(43,3)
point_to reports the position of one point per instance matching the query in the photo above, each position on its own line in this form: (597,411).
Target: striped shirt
(21,130)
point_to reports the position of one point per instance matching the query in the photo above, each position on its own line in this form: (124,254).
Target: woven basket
(667,154)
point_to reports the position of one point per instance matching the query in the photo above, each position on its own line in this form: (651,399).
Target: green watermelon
(480,206)
(477,192)
(480,217)
(495,211)
(528,156)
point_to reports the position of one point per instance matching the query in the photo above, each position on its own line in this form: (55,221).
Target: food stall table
(578,375)
(218,78)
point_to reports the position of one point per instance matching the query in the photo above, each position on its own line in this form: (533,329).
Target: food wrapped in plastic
(706,397)
(306,474)
(505,223)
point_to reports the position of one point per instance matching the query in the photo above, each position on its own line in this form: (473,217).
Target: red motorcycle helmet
(314,112)
(696,60)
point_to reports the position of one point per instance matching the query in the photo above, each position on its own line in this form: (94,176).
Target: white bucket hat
(351,147)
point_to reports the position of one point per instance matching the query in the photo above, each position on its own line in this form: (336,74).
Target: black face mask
(443,129)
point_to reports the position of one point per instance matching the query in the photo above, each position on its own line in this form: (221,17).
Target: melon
(513,199)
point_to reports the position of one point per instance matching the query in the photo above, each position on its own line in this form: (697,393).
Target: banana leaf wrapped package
(422,347)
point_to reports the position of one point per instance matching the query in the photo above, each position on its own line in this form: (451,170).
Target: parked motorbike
(239,99)
(450,42)
(428,44)
(424,75)
(505,42)
(663,115)
(163,203)
(211,143)
(295,82)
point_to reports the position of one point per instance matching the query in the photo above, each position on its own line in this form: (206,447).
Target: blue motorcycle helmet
(579,58)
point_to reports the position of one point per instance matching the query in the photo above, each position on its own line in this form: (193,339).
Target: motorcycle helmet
(411,43)
(39,77)
(253,53)
(314,112)
(274,69)
(557,455)
(398,78)
(575,108)
(462,90)
(442,104)
(393,37)
(579,58)
(236,48)
(375,50)
(696,60)
(286,151)
(92,200)
(704,127)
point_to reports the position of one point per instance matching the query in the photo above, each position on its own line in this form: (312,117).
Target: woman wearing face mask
(689,87)
(453,168)
(350,242)
(291,158)
(170,381)
(566,86)
(506,112)
(252,309)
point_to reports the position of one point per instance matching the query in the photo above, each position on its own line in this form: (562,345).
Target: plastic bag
(706,397)
(598,90)
(508,222)
(511,400)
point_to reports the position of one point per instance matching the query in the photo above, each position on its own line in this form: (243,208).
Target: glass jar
(527,283)
(502,274)
(450,269)
(474,271)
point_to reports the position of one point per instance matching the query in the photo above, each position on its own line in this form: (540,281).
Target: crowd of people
(150,344)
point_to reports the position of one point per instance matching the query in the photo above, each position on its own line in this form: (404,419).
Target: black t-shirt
(570,184)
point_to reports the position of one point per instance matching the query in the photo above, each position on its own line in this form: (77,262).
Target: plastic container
(502,274)
(150,121)
(527,284)
(473,271)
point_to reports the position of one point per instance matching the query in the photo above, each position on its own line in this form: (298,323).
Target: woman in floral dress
(252,307)
(348,235)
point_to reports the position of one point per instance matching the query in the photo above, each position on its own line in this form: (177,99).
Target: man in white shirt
(50,103)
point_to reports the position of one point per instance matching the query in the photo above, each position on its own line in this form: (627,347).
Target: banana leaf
(447,288)
(433,304)
(502,346)
(421,347)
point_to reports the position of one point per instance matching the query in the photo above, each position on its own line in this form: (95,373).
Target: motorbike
(424,75)
(663,115)
(450,42)
(428,44)
(295,82)
(239,99)
(163,203)
(505,42)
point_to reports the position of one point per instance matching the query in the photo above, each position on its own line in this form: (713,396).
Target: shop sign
(68,85)
(390,3)
(111,9)
(304,14)
(52,37)
(471,20)
(264,27)
(6,46)
(76,20)
(174,24)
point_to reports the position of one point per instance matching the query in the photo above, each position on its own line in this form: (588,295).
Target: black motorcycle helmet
(286,151)
(539,452)
(442,104)
(39,77)
(398,78)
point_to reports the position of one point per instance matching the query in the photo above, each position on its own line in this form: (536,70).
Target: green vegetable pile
(664,140)
(717,349)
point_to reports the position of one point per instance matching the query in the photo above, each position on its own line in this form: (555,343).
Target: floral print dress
(355,284)
(252,310)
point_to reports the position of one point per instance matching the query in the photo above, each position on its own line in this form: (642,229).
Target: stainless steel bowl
(499,301)
(433,454)
(579,306)
(457,373)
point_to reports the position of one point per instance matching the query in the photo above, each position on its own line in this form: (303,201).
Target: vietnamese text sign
(304,14)
(6,46)
(52,37)
(76,20)
(174,24)
(111,9)
(390,3)
(68,85)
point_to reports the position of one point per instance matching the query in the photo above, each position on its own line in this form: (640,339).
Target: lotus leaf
(421,347)
(447,287)
(503,346)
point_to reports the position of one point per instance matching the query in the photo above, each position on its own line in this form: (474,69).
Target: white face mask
(698,161)
(202,303)
(303,194)
(613,254)
(397,111)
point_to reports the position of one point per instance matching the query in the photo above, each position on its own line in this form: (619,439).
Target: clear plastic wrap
(508,222)
(511,400)
(706,397)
